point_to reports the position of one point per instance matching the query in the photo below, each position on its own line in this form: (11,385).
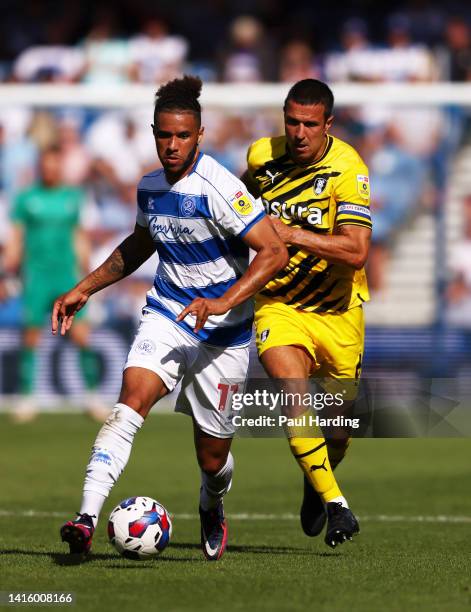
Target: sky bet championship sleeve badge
(241,203)
(363,186)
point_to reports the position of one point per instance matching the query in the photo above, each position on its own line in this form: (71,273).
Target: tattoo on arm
(124,260)
(109,272)
(115,263)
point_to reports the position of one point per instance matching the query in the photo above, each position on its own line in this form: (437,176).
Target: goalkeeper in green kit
(48,246)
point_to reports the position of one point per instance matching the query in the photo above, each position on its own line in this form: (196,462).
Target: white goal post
(240,96)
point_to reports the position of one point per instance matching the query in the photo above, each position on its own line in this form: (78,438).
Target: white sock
(92,504)
(215,486)
(110,453)
(340,500)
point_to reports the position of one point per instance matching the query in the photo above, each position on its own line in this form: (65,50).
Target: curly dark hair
(180,95)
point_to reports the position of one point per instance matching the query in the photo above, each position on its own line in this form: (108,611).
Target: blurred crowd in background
(104,152)
(260,40)
(237,41)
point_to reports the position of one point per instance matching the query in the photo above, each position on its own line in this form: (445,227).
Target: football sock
(336,450)
(28,359)
(110,453)
(89,366)
(215,486)
(92,504)
(340,500)
(312,458)
(311,455)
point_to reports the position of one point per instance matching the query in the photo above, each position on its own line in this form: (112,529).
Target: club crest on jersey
(363,186)
(241,203)
(187,207)
(319,185)
(264,335)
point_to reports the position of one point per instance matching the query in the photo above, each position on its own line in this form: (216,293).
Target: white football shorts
(208,374)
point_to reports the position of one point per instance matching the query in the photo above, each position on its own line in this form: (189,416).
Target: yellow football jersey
(332,192)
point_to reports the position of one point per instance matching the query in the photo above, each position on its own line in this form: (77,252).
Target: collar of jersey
(198,159)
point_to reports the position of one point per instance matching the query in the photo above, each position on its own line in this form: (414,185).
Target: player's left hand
(202,308)
(285,232)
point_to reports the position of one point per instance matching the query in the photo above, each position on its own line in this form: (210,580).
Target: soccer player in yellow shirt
(309,317)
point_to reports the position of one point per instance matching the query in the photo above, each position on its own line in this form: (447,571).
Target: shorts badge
(145,347)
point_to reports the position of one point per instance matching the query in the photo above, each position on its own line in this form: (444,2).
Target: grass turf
(269,565)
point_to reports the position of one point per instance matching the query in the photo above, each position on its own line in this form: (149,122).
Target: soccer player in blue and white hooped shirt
(197,322)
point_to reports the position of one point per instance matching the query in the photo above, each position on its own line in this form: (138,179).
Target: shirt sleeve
(233,208)
(250,176)
(141,219)
(352,195)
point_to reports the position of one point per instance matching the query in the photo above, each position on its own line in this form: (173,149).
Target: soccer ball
(139,528)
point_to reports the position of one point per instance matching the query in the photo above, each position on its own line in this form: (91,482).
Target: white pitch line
(374,518)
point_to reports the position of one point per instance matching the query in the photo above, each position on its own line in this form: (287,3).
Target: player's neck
(322,149)
(320,152)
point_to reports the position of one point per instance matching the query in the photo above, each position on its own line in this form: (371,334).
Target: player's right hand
(202,308)
(65,308)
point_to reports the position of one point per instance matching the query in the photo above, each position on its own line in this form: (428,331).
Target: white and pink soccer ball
(139,528)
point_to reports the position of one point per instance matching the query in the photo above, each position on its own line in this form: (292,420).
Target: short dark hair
(312,91)
(179,95)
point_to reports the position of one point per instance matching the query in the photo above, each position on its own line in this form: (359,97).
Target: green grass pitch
(399,562)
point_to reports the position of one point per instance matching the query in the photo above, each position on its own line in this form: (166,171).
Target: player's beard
(189,160)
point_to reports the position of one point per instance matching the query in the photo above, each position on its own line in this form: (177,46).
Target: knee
(136,401)
(141,389)
(211,463)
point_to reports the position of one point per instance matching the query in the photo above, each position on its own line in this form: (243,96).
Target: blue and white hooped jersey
(197,225)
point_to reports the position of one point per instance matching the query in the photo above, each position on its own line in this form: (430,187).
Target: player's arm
(124,260)
(271,256)
(349,244)
(13,249)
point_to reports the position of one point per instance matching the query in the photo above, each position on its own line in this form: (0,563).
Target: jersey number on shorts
(227,391)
